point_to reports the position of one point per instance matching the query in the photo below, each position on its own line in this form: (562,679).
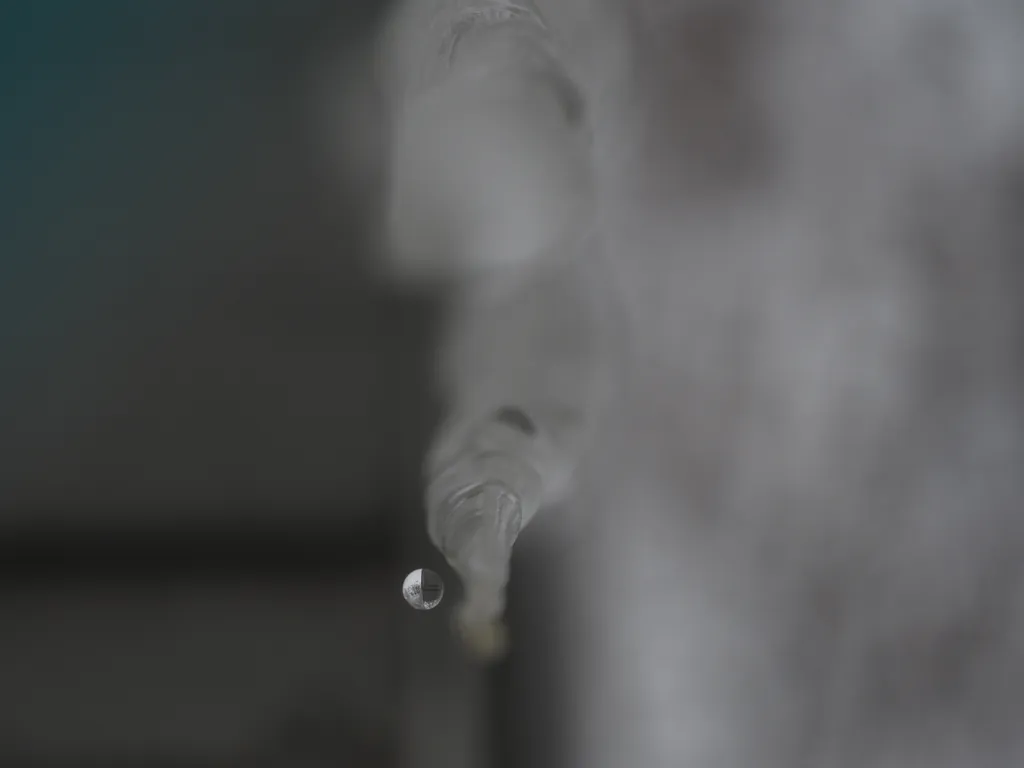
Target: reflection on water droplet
(423,589)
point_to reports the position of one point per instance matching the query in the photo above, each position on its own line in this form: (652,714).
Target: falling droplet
(423,589)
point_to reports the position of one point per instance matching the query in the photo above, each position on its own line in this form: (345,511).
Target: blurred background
(211,413)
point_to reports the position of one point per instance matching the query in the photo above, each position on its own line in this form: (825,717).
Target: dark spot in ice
(515,418)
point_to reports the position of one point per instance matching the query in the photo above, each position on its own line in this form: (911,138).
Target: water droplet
(423,589)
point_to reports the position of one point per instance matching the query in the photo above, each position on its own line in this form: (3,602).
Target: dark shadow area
(211,412)
(188,308)
(231,548)
(528,701)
